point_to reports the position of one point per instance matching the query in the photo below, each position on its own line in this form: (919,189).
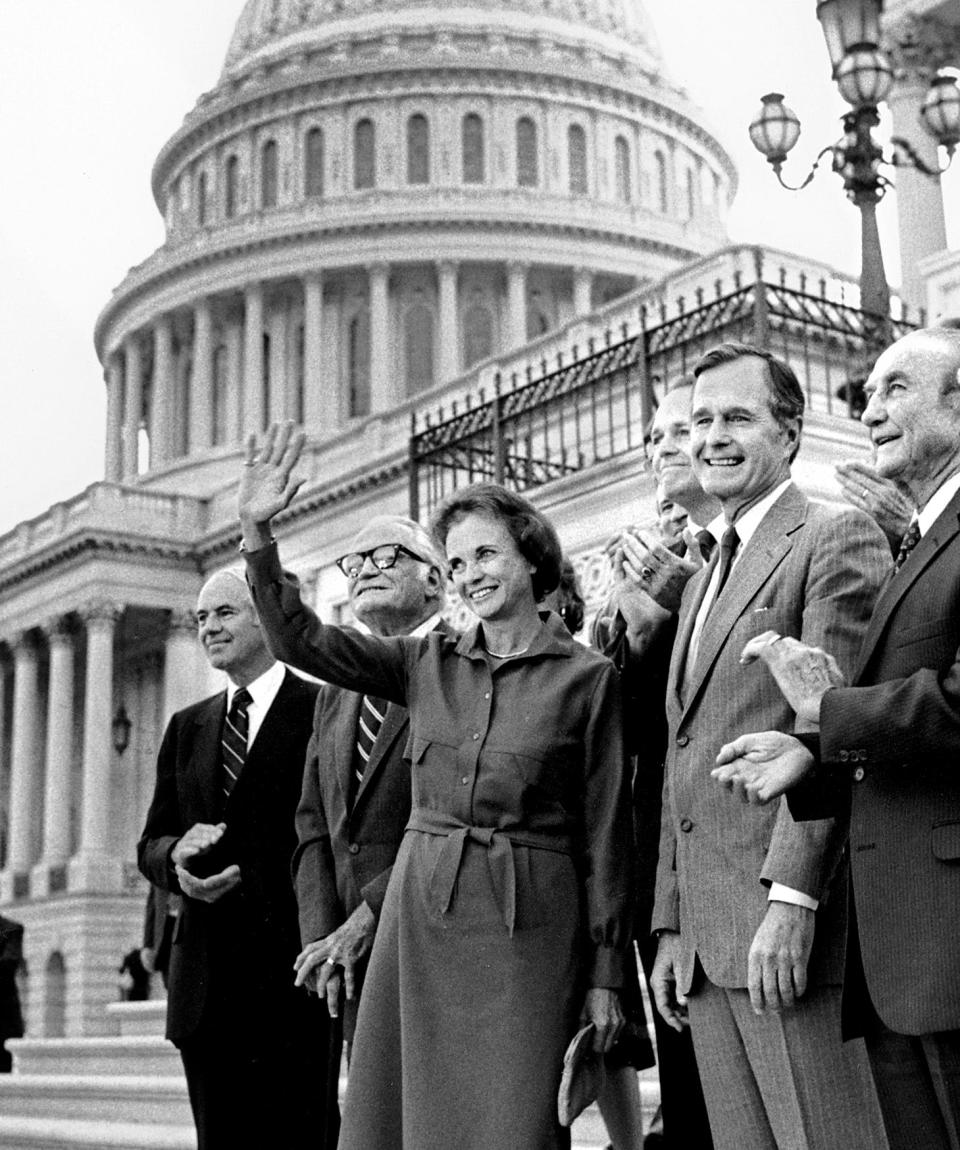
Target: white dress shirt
(937,503)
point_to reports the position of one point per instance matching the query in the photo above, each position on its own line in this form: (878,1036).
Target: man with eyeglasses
(356,786)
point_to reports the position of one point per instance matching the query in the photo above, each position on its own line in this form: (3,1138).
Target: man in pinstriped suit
(744,896)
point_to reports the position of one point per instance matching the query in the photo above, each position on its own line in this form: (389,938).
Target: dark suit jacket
(246,942)
(893,741)
(811,572)
(11,955)
(345,856)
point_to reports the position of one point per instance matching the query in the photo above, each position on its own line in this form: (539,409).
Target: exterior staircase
(127,1092)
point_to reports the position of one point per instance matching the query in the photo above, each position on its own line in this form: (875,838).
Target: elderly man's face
(399,591)
(228,627)
(670,446)
(915,429)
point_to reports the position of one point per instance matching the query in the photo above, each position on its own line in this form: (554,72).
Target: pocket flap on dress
(945,841)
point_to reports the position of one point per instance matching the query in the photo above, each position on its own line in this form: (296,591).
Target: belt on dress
(499,844)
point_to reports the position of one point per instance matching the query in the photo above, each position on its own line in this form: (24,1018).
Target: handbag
(583,1076)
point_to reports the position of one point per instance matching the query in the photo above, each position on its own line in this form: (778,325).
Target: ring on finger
(646,572)
(330,962)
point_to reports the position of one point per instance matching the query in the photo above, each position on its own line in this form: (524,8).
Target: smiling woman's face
(487,569)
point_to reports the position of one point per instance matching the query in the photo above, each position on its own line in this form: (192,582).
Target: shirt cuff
(781,893)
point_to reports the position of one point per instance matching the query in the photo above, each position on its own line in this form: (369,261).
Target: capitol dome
(379,195)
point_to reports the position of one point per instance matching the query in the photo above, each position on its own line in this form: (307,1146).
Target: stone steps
(134,1099)
(17,1133)
(140,1055)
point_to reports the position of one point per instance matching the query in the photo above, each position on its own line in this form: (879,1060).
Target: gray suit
(810,572)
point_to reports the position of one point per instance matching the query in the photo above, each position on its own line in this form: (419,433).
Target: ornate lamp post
(864,77)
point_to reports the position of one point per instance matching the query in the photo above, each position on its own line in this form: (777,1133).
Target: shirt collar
(262,689)
(937,503)
(553,638)
(751,519)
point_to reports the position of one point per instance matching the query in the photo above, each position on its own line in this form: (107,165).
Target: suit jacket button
(354,848)
(858,775)
(682,740)
(686,825)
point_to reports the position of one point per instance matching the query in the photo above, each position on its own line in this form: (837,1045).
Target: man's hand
(601,1006)
(760,767)
(804,674)
(663,982)
(882,499)
(208,889)
(198,840)
(318,964)
(656,569)
(777,966)
(267,485)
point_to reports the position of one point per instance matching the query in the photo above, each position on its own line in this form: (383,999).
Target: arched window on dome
(418,150)
(364,155)
(313,164)
(577,159)
(220,384)
(201,195)
(268,174)
(418,337)
(691,193)
(477,334)
(299,374)
(474,161)
(528,161)
(660,176)
(231,182)
(358,364)
(621,158)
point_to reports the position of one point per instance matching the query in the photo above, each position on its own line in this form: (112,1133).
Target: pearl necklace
(509,654)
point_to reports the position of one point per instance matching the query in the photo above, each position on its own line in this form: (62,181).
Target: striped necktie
(729,543)
(233,743)
(372,711)
(910,539)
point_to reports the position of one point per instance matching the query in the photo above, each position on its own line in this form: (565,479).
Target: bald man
(220,832)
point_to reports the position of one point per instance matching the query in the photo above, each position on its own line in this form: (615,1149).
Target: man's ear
(436,582)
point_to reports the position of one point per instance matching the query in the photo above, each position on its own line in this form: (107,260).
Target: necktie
(729,542)
(233,743)
(372,711)
(707,543)
(910,539)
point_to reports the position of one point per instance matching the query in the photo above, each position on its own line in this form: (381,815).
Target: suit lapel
(345,744)
(944,529)
(688,616)
(394,721)
(769,544)
(205,759)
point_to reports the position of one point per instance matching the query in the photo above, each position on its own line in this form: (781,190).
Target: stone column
(233,429)
(24,767)
(113,453)
(200,432)
(277,324)
(516,305)
(185,677)
(382,377)
(133,406)
(582,289)
(315,415)
(56,805)
(161,414)
(95,867)
(449,321)
(920,217)
(253,409)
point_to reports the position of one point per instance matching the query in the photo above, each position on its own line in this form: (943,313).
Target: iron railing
(557,419)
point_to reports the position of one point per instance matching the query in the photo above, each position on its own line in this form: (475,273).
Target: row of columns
(46,767)
(245,394)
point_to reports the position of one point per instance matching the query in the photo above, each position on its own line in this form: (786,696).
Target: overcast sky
(91,89)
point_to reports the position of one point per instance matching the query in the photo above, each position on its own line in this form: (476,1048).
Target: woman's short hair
(531,530)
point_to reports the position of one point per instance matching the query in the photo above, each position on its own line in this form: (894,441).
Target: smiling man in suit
(220,831)
(887,749)
(744,903)
(356,787)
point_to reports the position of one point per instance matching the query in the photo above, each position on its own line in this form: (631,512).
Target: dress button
(843,756)
(486,694)
(686,825)
(354,848)
(858,775)
(476,734)
(465,780)
(682,740)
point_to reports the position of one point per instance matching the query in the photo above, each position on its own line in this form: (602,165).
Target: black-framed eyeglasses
(383,557)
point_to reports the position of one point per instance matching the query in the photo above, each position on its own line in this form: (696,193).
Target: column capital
(517,267)
(23,643)
(380,269)
(59,629)
(100,614)
(448,266)
(182,621)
